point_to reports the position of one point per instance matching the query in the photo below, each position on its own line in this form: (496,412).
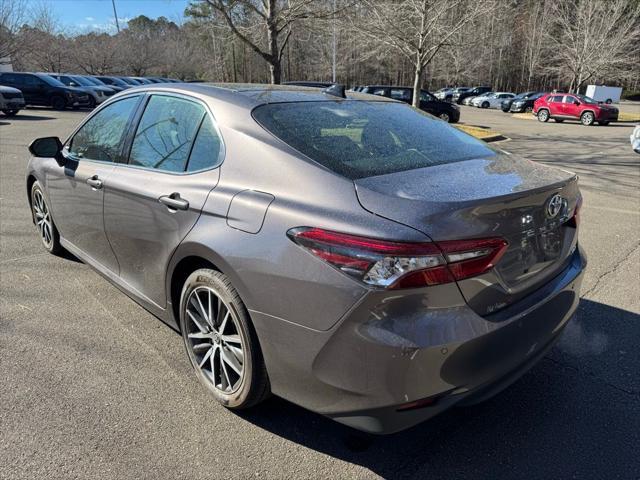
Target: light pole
(115,14)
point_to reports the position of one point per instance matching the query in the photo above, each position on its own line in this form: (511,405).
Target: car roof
(254,94)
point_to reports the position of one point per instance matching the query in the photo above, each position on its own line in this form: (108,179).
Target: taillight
(393,265)
(574,221)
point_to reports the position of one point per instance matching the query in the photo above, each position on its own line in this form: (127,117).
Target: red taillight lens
(574,221)
(395,265)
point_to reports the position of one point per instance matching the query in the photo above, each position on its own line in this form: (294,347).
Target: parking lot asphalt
(93,386)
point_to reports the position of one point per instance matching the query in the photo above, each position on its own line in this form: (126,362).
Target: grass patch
(628,117)
(485,134)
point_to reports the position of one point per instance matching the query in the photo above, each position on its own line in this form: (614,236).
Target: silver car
(347,252)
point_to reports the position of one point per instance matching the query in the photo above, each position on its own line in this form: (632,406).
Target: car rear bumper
(13,104)
(391,351)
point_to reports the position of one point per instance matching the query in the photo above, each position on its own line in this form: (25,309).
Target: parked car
(478,98)
(100,83)
(11,101)
(114,82)
(564,106)
(131,81)
(43,90)
(492,100)
(97,94)
(635,139)
(405,272)
(459,97)
(521,103)
(444,93)
(309,84)
(428,103)
(144,81)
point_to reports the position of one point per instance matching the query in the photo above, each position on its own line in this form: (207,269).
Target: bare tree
(13,14)
(254,21)
(417,29)
(594,37)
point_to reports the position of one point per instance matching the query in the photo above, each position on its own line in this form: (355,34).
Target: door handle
(95,182)
(174,201)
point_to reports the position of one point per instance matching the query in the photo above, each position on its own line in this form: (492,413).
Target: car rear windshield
(359,139)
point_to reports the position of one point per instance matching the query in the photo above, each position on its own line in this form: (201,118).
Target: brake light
(394,265)
(574,221)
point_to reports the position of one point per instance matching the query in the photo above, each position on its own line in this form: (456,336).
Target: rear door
(153,201)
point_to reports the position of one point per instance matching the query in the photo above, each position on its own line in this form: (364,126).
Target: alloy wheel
(444,116)
(214,341)
(43,218)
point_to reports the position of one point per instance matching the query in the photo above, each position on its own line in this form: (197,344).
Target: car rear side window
(359,139)
(206,152)
(101,137)
(165,133)
(400,94)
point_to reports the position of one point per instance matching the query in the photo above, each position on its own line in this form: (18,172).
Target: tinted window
(401,94)
(360,139)
(206,151)
(11,78)
(378,91)
(41,79)
(556,98)
(426,97)
(101,137)
(165,133)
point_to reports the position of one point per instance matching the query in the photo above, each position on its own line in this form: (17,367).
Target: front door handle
(174,201)
(95,182)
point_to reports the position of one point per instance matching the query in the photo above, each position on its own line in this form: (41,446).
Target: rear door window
(359,139)
(166,133)
(403,94)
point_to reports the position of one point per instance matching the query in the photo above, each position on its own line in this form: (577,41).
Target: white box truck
(602,93)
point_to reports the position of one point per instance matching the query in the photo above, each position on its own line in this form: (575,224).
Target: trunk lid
(498,196)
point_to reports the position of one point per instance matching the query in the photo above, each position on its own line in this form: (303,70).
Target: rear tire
(233,342)
(543,115)
(42,219)
(485,105)
(58,103)
(587,119)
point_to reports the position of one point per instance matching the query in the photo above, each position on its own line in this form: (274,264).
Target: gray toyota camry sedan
(349,253)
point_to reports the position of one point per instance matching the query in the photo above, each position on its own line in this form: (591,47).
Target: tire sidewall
(543,115)
(55,240)
(584,118)
(216,281)
(58,103)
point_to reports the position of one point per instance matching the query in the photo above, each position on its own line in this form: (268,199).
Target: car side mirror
(48,147)
(576,102)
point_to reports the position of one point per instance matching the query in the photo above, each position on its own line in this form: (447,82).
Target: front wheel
(444,116)
(485,105)
(42,219)
(587,118)
(10,113)
(58,103)
(220,340)
(543,115)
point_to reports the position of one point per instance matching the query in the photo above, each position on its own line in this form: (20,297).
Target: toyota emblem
(554,206)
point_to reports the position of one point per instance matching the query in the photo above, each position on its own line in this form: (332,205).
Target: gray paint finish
(330,342)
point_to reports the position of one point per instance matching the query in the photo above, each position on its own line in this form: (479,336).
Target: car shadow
(67,255)
(26,117)
(571,415)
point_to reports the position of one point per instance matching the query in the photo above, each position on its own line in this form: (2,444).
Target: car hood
(8,89)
